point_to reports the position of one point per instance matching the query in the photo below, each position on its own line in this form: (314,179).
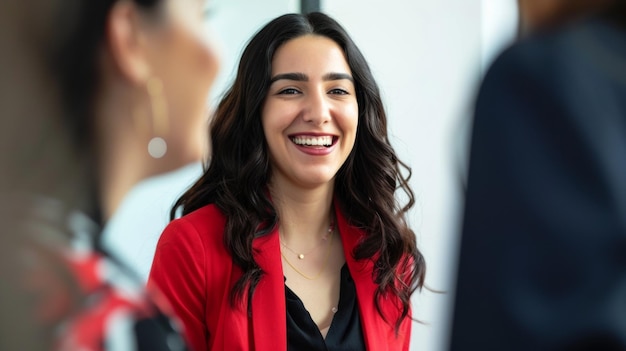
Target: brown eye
(338,91)
(288,91)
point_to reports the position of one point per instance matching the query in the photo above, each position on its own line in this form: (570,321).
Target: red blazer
(196,273)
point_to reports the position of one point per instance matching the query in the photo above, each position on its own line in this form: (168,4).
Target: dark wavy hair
(238,173)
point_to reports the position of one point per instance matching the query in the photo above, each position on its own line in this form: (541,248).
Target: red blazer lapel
(375,330)
(269,326)
(269,321)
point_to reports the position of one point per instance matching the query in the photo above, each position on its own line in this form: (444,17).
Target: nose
(318,110)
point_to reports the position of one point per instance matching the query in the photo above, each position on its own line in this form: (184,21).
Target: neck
(121,158)
(115,183)
(305,214)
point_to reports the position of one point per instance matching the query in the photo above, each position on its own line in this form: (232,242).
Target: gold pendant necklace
(302,255)
(326,260)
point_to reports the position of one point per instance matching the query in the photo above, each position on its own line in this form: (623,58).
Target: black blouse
(345,331)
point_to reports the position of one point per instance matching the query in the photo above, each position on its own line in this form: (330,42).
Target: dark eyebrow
(301,77)
(337,76)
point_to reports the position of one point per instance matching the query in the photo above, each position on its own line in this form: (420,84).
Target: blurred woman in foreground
(105,93)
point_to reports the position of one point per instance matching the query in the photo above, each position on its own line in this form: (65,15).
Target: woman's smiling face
(310,115)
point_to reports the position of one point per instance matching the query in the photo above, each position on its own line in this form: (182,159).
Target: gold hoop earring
(157,147)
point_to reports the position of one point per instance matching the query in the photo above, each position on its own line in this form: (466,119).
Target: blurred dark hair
(567,11)
(236,178)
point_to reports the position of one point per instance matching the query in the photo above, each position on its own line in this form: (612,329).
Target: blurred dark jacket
(543,253)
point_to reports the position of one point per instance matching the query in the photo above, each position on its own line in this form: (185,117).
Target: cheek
(350,119)
(191,64)
(276,117)
(187,76)
(349,126)
(197,66)
(207,62)
(190,72)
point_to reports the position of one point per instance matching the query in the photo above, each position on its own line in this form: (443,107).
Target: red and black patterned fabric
(86,300)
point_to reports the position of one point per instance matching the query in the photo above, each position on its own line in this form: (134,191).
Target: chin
(316,181)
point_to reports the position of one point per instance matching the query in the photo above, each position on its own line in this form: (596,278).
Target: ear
(126,42)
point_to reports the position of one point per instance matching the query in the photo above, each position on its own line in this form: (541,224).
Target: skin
(170,46)
(312,94)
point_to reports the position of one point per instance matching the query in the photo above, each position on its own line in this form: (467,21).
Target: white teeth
(313,141)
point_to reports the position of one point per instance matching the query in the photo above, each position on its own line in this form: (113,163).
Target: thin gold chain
(302,255)
(326,260)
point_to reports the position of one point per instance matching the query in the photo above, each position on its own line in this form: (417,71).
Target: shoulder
(205,224)
(553,78)
(206,218)
(560,56)
(118,308)
(195,236)
(195,240)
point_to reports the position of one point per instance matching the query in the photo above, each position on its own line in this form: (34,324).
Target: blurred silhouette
(96,95)
(543,253)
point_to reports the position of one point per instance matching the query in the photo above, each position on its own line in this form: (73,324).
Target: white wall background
(498,28)
(427,57)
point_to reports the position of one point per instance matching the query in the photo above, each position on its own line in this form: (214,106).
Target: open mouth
(312,141)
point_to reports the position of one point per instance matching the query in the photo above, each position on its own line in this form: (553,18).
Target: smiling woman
(293,239)
(310,111)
